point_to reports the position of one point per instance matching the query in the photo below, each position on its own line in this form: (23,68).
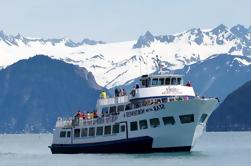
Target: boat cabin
(160,80)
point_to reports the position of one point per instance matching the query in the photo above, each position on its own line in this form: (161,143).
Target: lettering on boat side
(142,110)
(171,91)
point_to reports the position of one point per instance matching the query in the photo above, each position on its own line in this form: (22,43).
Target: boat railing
(73,122)
(64,122)
(113,100)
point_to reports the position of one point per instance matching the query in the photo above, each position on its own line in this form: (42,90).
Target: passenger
(88,115)
(116,92)
(133,92)
(103,95)
(81,115)
(189,84)
(91,115)
(84,116)
(77,115)
(95,115)
(120,92)
(137,86)
(123,92)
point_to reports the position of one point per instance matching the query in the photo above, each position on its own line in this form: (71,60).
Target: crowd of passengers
(118,92)
(121,92)
(88,115)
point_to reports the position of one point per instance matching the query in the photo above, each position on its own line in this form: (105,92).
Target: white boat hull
(176,137)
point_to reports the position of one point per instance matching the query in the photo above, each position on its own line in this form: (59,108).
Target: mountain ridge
(114,64)
(36,91)
(14,40)
(234,112)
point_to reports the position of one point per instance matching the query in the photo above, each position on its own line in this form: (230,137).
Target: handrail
(70,122)
(113,100)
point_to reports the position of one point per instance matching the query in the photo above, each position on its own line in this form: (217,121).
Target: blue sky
(117,20)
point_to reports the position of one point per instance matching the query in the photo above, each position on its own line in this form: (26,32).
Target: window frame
(167,122)
(159,81)
(115,130)
(120,106)
(113,109)
(105,110)
(77,134)
(98,129)
(122,128)
(168,78)
(91,132)
(154,125)
(178,81)
(203,117)
(186,121)
(141,124)
(175,82)
(105,130)
(153,81)
(132,126)
(68,135)
(128,106)
(62,134)
(84,132)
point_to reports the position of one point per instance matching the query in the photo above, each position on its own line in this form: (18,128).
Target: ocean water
(214,148)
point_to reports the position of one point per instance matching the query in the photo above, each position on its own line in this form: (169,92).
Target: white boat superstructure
(161,114)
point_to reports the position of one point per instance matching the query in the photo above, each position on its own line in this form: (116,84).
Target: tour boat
(162,114)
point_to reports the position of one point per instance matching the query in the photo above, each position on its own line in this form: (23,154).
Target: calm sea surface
(224,148)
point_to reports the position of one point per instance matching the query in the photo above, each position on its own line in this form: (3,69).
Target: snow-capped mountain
(113,64)
(216,76)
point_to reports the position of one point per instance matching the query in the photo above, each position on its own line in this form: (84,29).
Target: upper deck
(153,86)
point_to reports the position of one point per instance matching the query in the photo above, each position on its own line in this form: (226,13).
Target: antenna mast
(160,66)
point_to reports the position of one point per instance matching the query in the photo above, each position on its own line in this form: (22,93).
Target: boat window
(168,120)
(120,108)
(137,104)
(161,81)
(128,106)
(173,81)
(105,110)
(68,134)
(134,126)
(99,130)
(143,83)
(167,81)
(63,134)
(148,82)
(203,118)
(84,132)
(154,122)
(113,110)
(115,129)
(108,130)
(155,81)
(187,118)
(164,100)
(92,131)
(122,128)
(77,133)
(143,124)
(178,81)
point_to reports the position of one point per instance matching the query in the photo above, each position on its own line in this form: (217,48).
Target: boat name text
(142,110)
